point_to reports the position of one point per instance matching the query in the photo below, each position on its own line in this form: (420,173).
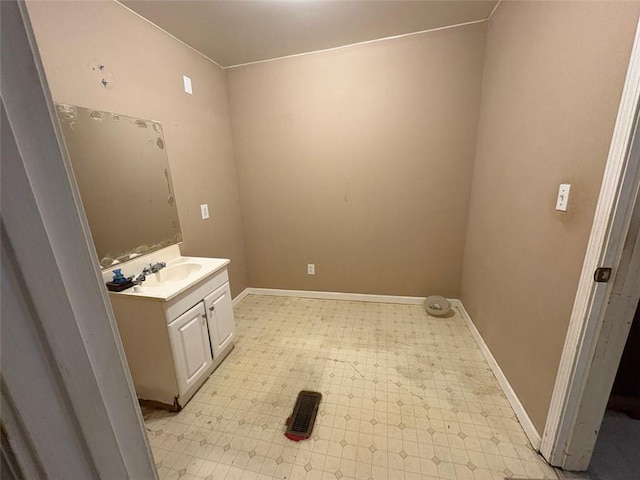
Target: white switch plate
(563,197)
(204,210)
(187,85)
(311,269)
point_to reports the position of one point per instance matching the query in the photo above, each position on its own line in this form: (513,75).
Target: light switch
(204,210)
(563,197)
(187,85)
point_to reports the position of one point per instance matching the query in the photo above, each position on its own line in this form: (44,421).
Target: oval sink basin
(172,274)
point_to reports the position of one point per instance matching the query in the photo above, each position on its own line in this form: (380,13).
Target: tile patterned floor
(405,396)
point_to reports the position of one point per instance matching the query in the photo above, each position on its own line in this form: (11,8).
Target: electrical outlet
(204,210)
(563,197)
(311,269)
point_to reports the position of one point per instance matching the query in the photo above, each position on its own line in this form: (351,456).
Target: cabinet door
(222,326)
(189,339)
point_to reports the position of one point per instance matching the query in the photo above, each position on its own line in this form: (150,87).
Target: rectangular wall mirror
(120,164)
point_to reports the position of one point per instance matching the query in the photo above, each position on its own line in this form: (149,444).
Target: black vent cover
(300,424)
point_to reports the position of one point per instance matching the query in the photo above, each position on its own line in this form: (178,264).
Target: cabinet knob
(211,308)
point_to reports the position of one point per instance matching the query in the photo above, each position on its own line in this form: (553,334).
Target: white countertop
(168,290)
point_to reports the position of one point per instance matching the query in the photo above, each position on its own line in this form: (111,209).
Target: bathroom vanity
(177,327)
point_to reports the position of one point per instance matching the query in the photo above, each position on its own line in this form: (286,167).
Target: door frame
(598,330)
(69,408)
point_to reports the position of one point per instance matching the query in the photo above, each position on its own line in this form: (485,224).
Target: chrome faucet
(152,268)
(157,266)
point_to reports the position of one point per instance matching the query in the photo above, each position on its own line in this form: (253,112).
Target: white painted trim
(612,336)
(494,10)
(78,385)
(605,245)
(241,296)
(384,39)
(354,297)
(512,397)
(172,36)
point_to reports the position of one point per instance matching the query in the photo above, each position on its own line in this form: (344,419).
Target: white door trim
(74,407)
(608,234)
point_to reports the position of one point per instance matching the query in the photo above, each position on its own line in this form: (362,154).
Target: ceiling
(237,32)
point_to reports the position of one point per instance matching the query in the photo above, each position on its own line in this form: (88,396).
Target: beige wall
(552,82)
(146,66)
(359,160)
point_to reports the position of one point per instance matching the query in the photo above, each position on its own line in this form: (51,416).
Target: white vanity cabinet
(173,341)
(189,337)
(222,327)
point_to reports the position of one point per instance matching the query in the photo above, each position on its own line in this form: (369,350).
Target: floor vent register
(300,423)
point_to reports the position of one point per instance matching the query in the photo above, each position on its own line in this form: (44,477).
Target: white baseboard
(521,413)
(241,296)
(354,297)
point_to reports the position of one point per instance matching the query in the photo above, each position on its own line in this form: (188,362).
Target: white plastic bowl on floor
(437,306)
